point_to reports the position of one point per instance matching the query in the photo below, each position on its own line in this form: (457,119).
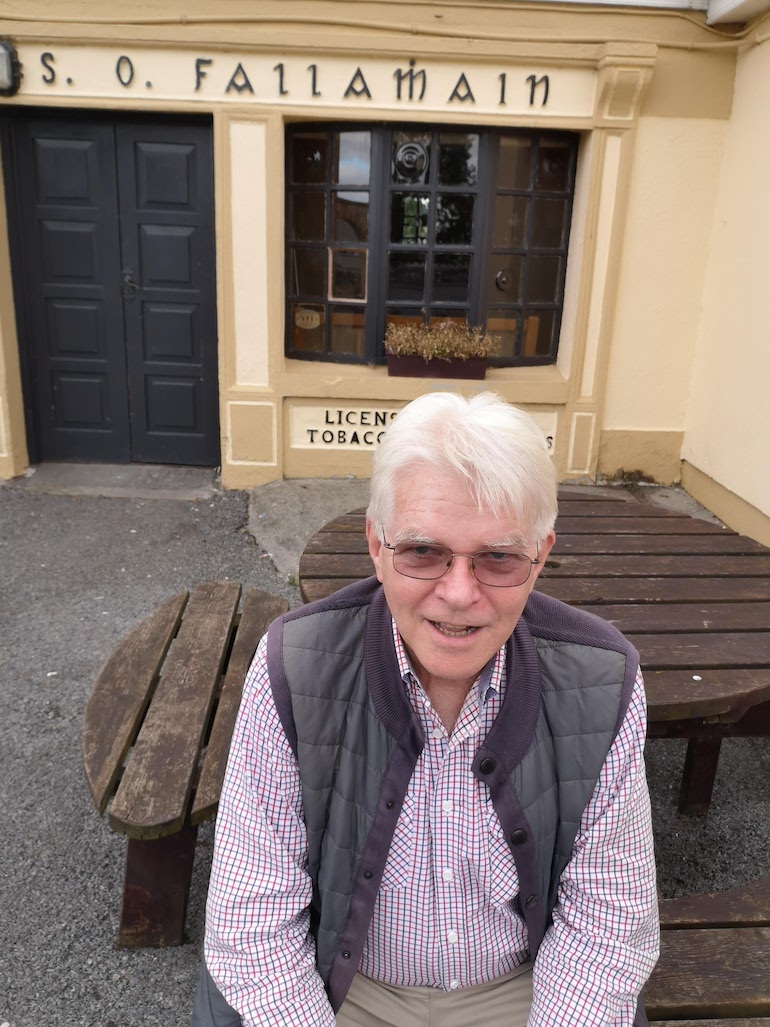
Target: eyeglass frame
(469,556)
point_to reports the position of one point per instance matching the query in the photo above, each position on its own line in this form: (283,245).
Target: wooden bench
(156,736)
(714,966)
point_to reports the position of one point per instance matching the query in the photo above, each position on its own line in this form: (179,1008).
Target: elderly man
(435,810)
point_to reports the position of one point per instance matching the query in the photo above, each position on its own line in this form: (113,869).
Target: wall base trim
(656,454)
(734,511)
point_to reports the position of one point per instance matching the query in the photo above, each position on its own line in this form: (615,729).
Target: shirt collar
(490,681)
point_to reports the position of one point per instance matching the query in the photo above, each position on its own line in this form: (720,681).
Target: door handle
(130,285)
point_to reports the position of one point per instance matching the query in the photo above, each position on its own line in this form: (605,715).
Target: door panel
(117,261)
(166,203)
(71,273)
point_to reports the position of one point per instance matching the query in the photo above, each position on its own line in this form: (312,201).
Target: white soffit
(736,10)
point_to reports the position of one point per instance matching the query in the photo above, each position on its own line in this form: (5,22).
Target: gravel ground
(78,571)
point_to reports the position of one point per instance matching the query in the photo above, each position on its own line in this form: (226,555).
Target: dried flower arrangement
(442,340)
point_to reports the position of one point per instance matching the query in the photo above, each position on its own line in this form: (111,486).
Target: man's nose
(459,583)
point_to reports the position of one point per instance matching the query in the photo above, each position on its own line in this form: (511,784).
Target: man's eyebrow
(509,542)
(411,534)
(415,535)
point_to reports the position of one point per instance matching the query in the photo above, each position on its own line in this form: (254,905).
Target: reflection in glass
(542,279)
(347,330)
(513,163)
(458,158)
(504,323)
(350,217)
(309,157)
(510,221)
(308,216)
(538,332)
(403,316)
(505,277)
(409,218)
(451,277)
(348,274)
(454,220)
(410,157)
(458,316)
(553,166)
(307,327)
(406,278)
(548,218)
(308,272)
(352,158)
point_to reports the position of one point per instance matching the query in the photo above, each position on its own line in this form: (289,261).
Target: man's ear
(544,550)
(375,547)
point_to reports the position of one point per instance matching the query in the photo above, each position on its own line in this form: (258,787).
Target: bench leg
(700,770)
(156,890)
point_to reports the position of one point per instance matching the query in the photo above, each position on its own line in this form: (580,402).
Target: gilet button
(531,901)
(518,837)
(368,875)
(389,804)
(487,765)
(346,954)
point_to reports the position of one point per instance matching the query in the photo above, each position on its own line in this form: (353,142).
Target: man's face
(452,625)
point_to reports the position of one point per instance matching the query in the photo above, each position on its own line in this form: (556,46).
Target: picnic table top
(691,595)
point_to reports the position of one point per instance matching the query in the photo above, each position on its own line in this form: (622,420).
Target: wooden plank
(713,650)
(605,508)
(337,542)
(679,617)
(676,695)
(152,798)
(335,565)
(121,694)
(259,610)
(569,525)
(581,591)
(746,906)
(715,545)
(711,973)
(652,566)
(747,719)
(320,588)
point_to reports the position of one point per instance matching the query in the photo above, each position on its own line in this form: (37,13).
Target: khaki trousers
(501,1003)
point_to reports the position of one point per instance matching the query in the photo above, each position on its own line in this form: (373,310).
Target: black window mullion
(379,210)
(481,240)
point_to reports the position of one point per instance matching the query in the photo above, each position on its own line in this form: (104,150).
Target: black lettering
(380,435)
(326,417)
(313,69)
(341,437)
(368,438)
(239,81)
(549,441)
(281,90)
(534,82)
(502,89)
(354,439)
(364,419)
(412,75)
(46,59)
(379,417)
(467,92)
(393,414)
(350,417)
(328,436)
(201,63)
(358,86)
(124,69)
(312,432)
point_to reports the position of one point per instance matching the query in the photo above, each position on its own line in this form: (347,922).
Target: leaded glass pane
(514,163)
(409,218)
(553,166)
(406,278)
(307,327)
(308,216)
(347,330)
(454,219)
(510,222)
(350,216)
(348,275)
(505,277)
(410,157)
(458,162)
(308,269)
(548,222)
(309,153)
(451,277)
(352,158)
(543,279)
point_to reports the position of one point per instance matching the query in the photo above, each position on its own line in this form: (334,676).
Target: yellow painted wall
(727,435)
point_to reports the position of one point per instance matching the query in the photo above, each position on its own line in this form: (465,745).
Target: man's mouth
(453,630)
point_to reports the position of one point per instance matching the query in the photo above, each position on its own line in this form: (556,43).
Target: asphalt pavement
(85,554)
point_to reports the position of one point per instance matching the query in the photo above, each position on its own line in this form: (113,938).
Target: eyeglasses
(490,567)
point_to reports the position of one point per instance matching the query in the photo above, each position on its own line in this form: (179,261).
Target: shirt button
(454,985)
(453,937)
(447,875)
(436,732)
(447,805)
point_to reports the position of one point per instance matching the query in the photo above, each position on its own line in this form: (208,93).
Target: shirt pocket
(494,865)
(399,866)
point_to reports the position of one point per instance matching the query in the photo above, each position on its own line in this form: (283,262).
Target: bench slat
(152,798)
(673,696)
(677,617)
(566,524)
(711,973)
(582,591)
(745,906)
(259,610)
(121,695)
(636,565)
(738,649)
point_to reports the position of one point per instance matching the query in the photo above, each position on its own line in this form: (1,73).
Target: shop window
(407,223)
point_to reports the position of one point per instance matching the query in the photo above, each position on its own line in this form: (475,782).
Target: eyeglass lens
(490,567)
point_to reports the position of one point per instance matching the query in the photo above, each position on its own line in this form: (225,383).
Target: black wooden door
(115,243)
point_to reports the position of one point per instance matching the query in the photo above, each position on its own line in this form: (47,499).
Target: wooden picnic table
(156,736)
(692,596)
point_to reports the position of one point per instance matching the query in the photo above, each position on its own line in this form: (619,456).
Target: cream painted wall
(673,191)
(728,418)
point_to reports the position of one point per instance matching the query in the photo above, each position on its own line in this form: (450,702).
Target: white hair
(495,448)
